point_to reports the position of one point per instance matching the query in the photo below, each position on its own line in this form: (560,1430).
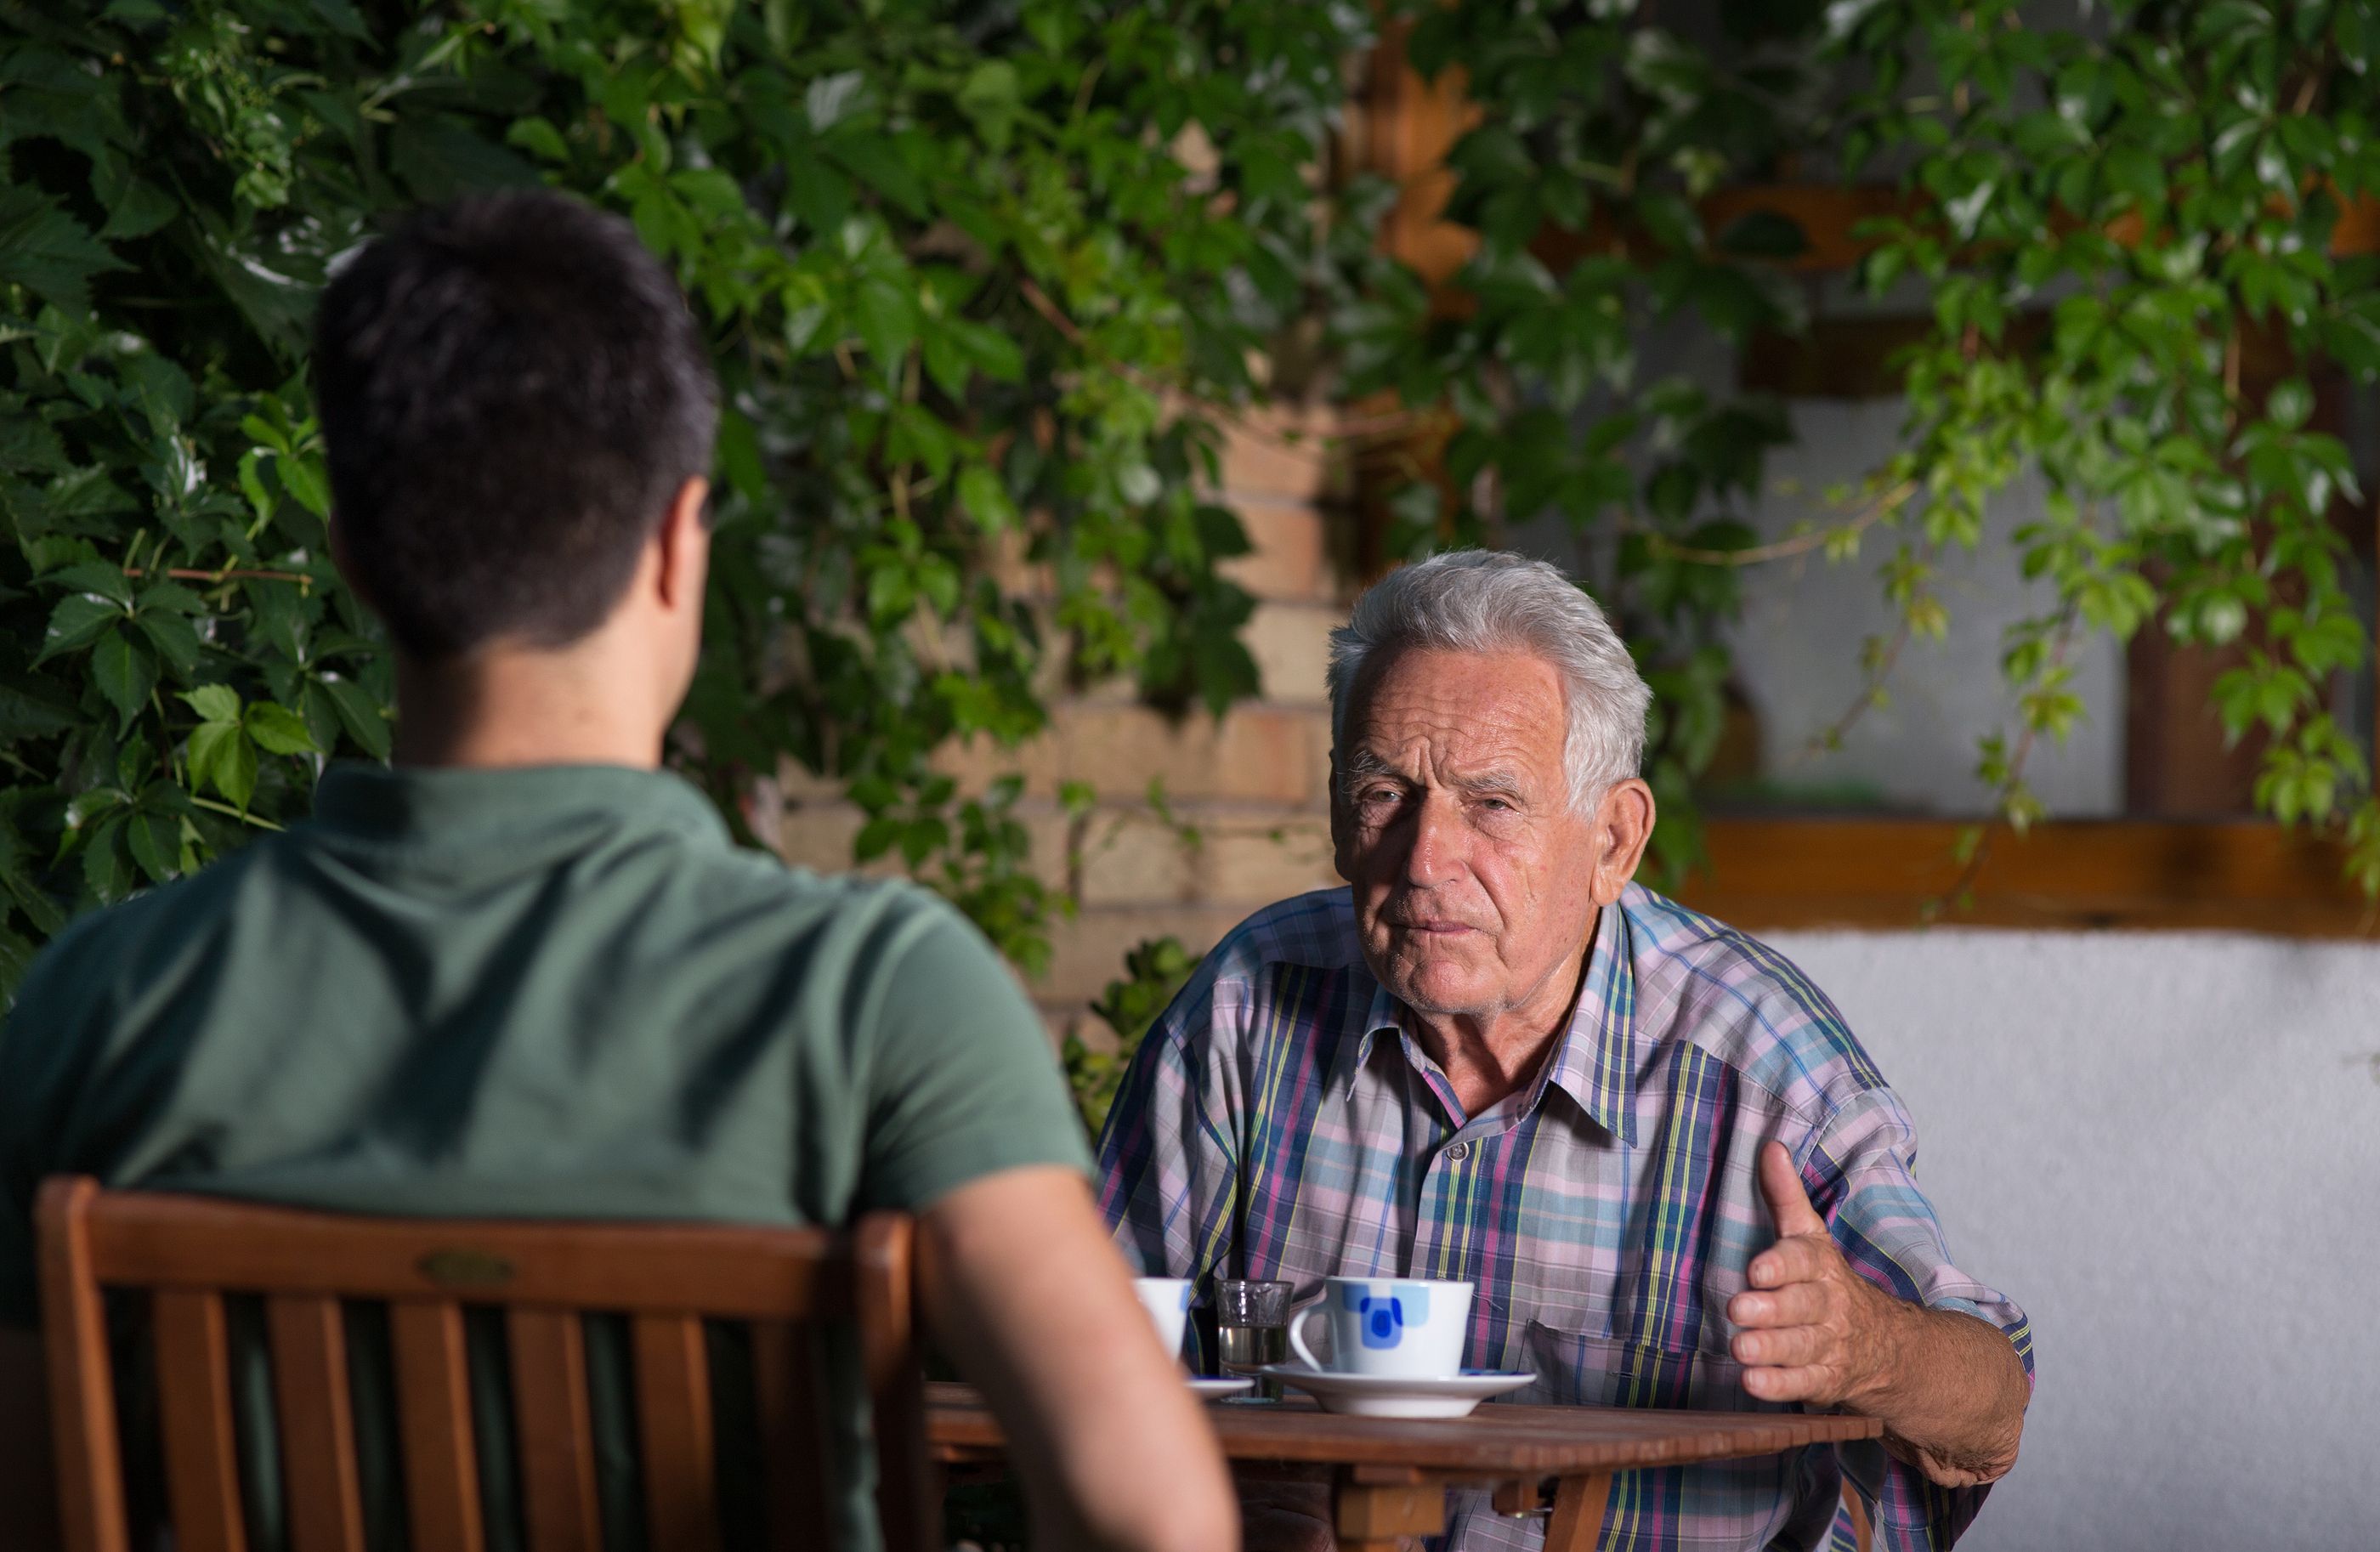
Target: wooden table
(1390,1475)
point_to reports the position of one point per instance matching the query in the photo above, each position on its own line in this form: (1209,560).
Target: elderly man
(1674,1177)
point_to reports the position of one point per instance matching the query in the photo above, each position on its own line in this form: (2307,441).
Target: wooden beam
(1878,873)
(1833,358)
(1828,216)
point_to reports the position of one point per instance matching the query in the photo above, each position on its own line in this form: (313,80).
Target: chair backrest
(188,1253)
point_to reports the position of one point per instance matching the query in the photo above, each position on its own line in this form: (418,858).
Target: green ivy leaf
(2289,404)
(990,96)
(95,577)
(539,138)
(360,715)
(214,703)
(157,845)
(175,639)
(139,210)
(887,317)
(222,756)
(986,499)
(994,354)
(829,99)
(76,622)
(304,479)
(279,731)
(106,865)
(125,675)
(47,251)
(875,160)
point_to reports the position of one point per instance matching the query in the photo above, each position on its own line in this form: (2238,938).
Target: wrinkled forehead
(1446,715)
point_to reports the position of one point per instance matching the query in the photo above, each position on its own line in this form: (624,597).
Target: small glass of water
(1252,1326)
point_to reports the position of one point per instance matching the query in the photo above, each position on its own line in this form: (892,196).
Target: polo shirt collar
(448,807)
(1595,1063)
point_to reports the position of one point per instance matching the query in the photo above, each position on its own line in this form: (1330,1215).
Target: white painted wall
(1797,643)
(2167,1147)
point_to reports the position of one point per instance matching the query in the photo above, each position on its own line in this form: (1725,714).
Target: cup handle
(1297,1333)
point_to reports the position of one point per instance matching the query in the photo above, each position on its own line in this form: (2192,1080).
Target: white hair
(1488,600)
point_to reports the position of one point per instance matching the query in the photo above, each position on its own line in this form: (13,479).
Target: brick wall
(1251,786)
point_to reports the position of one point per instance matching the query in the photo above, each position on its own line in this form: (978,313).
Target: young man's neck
(508,707)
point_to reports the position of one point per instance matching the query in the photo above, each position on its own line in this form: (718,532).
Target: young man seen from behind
(524,973)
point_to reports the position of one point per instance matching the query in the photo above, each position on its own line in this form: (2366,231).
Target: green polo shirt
(555,992)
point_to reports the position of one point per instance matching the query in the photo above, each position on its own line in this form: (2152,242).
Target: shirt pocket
(1717,1506)
(1589,1368)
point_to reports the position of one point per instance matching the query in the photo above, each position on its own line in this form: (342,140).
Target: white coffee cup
(1167,1300)
(1405,1327)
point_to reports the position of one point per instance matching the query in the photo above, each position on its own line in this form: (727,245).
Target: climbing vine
(983,280)
(2095,211)
(974,312)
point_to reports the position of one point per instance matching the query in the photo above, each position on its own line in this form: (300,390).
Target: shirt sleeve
(1859,1172)
(963,1081)
(1170,1157)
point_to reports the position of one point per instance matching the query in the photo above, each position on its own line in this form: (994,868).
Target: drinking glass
(1252,1328)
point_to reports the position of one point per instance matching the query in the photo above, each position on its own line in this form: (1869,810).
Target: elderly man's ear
(1624,823)
(1339,858)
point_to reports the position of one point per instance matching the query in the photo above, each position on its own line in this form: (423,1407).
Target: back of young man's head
(512,391)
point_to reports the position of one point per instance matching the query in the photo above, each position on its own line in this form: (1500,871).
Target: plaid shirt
(1280,1122)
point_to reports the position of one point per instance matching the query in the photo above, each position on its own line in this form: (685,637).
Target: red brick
(1134,858)
(1291,555)
(1290,643)
(1281,454)
(1247,863)
(1089,951)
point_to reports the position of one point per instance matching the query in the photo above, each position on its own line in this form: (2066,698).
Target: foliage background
(982,276)
(969,309)
(2162,179)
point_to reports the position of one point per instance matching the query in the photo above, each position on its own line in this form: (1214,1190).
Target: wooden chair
(188,1253)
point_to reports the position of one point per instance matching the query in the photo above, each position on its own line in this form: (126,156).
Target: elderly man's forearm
(1951,1398)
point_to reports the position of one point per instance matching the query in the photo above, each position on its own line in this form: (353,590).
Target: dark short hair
(511,390)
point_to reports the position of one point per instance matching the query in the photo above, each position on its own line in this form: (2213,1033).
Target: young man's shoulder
(135,942)
(740,888)
(718,897)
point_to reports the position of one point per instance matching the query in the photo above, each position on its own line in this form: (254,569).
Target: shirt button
(1458,1153)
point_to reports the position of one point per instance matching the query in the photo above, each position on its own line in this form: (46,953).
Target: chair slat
(151,1240)
(318,1425)
(673,1416)
(555,1430)
(188,1252)
(434,1403)
(194,1414)
(908,1490)
(82,1399)
(787,1379)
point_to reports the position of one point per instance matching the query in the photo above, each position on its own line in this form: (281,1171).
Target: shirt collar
(1595,1063)
(452,808)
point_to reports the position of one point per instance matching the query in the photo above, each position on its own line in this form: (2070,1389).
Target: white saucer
(1215,1389)
(1395,1396)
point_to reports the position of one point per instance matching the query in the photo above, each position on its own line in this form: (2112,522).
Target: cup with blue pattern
(1405,1328)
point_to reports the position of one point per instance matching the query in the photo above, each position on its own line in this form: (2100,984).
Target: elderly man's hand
(1814,1331)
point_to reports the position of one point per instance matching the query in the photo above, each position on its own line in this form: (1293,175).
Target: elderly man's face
(1474,879)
